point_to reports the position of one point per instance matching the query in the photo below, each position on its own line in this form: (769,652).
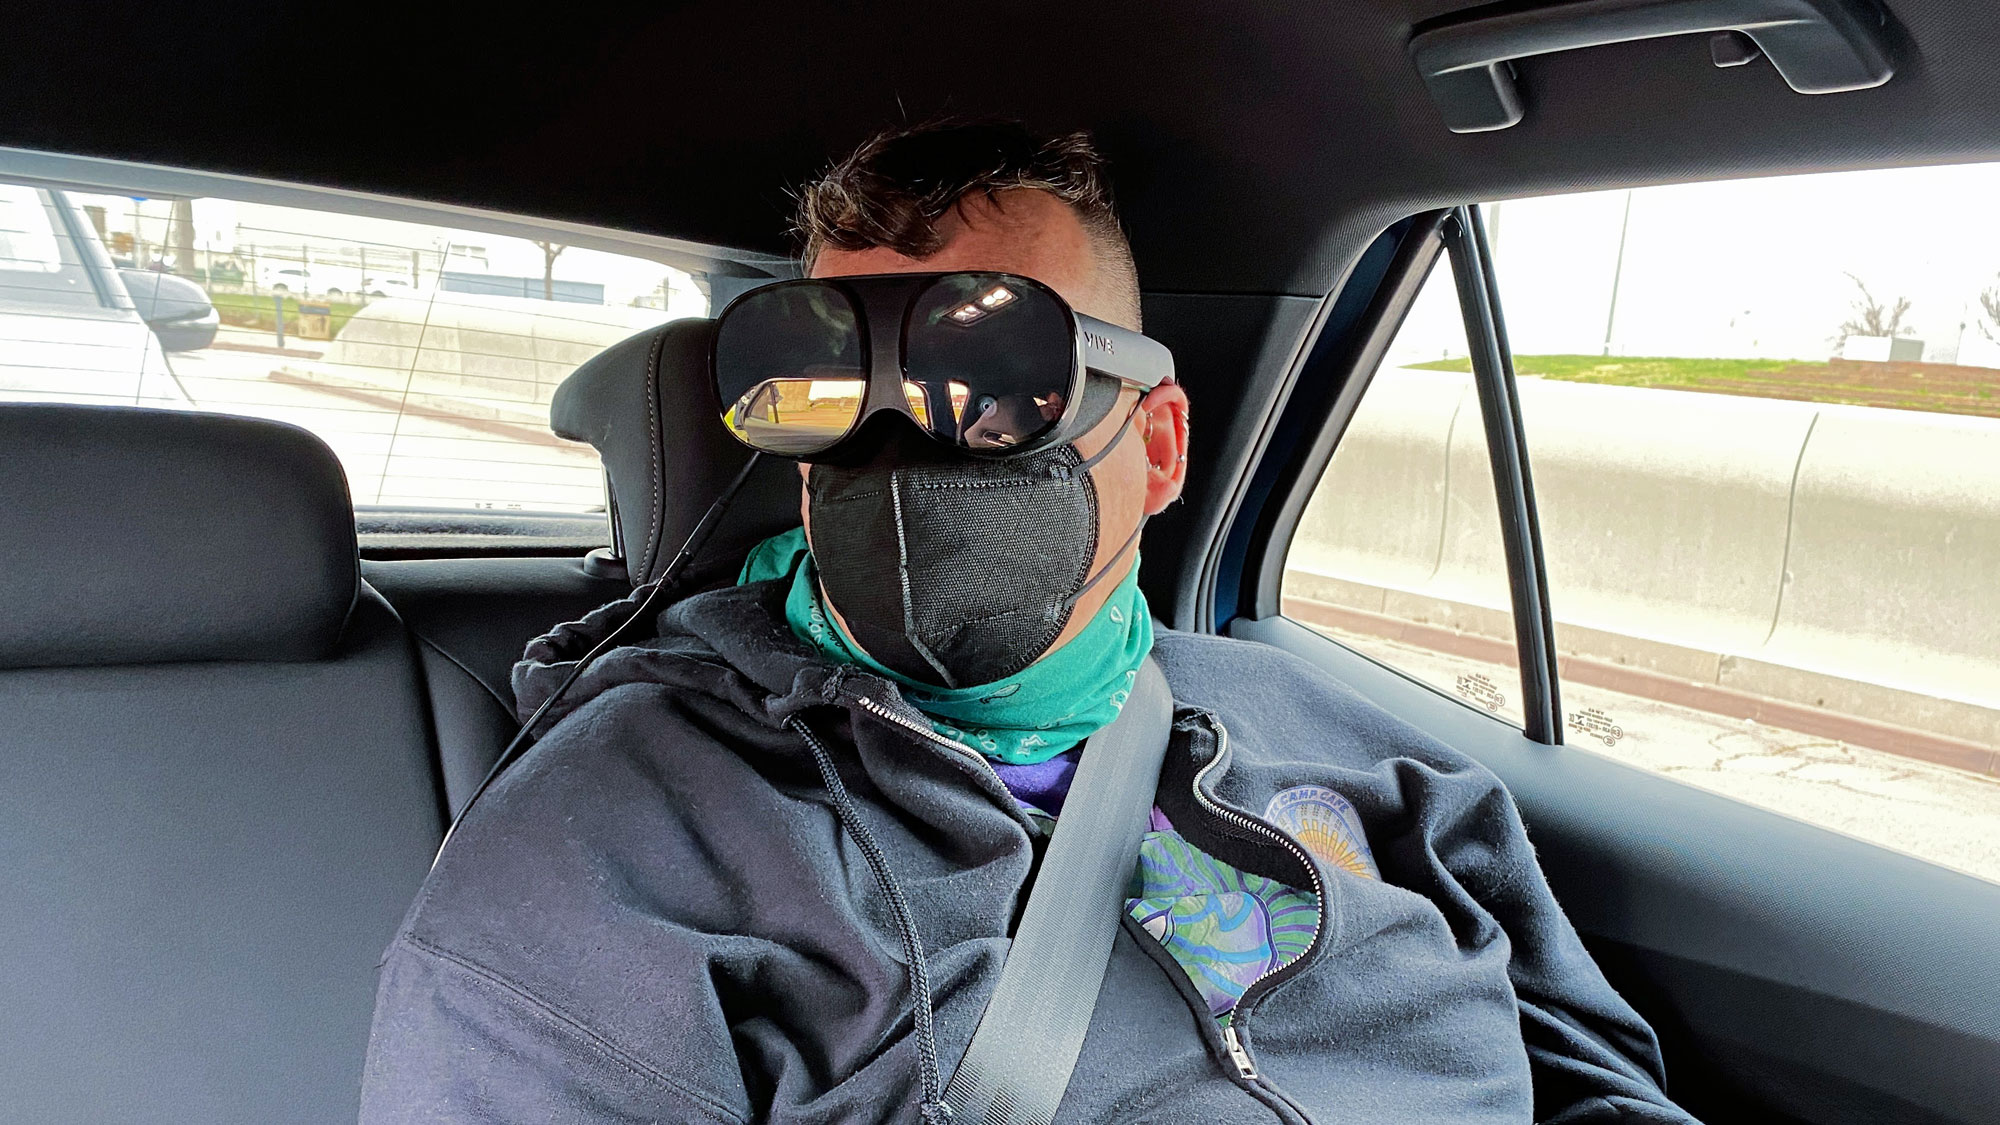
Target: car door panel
(1786,964)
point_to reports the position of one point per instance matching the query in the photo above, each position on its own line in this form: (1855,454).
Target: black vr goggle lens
(988,363)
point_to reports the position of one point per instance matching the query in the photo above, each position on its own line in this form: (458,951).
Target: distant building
(534,288)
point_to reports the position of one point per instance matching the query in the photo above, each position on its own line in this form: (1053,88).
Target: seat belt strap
(1028,1040)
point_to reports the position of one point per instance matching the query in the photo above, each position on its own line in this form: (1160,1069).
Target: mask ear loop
(1085,467)
(1070,602)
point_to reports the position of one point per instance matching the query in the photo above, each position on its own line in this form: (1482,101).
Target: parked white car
(317,280)
(392,287)
(69,331)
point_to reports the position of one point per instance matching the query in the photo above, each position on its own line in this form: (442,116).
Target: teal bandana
(1046,708)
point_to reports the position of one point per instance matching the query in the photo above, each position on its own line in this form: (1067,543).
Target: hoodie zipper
(1239,1056)
(890,714)
(1259,828)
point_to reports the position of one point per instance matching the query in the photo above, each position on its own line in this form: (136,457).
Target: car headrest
(648,406)
(132,536)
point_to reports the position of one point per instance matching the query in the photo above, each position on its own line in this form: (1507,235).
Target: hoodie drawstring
(932,1106)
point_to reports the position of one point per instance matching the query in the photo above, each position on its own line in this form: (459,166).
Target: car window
(425,356)
(1398,554)
(1763,420)
(1769,483)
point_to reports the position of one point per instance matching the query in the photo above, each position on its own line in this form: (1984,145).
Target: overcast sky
(1747,268)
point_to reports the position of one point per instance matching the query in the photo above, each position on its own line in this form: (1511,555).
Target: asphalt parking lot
(390,458)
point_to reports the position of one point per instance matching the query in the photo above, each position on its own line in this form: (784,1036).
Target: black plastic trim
(1817,46)
(1222,566)
(1234,563)
(1506,445)
(1342,367)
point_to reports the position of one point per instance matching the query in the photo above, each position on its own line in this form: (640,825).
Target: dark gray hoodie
(656,916)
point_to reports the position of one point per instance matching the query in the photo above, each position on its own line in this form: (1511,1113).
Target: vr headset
(992,364)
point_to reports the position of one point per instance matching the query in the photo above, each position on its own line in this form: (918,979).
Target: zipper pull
(1238,1055)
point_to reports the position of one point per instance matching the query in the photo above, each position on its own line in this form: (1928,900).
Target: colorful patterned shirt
(1226,928)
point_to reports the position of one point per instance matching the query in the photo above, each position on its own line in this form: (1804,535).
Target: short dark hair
(891,191)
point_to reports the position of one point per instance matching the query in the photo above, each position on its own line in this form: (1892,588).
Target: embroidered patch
(1327,824)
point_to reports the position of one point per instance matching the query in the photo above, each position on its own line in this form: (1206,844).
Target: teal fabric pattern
(1048,707)
(1226,928)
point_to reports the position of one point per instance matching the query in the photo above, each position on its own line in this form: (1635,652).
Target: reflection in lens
(789,368)
(983,305)
(995,356)
(919,403)
(796,416)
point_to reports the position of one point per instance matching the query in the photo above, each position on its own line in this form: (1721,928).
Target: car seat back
(217,784)
(648,406)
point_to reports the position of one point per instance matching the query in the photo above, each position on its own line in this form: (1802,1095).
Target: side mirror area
(176,309)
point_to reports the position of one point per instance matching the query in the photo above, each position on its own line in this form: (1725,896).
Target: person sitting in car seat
(764,864)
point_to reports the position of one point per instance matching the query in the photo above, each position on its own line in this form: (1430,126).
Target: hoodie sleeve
(1443,826)
(1593,1058)
(453,1042)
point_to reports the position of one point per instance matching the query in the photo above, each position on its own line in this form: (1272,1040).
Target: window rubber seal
(1507,447)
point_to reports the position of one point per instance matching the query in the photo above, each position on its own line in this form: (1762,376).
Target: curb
(1714,699)
(265,349)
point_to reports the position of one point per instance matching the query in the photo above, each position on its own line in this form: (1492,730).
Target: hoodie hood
(732,643)
(735,645)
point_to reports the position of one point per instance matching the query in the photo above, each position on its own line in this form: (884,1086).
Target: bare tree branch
(550,252)
(1990,301)
(1870,317)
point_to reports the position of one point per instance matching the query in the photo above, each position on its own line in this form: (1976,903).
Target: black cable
(695,541)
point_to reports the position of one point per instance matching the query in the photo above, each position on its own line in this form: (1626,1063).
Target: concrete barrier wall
(1895,551)
(506,352)
(1838,541)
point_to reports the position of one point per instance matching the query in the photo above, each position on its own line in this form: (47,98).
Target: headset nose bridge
(882,326)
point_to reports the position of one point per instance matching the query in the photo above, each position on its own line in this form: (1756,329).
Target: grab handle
(1817,46)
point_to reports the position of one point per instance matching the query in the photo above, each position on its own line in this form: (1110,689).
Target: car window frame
(1342,362)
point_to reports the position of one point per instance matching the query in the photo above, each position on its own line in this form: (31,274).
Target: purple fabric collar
(1043,785)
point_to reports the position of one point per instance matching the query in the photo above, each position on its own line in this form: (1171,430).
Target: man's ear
(805,502)
(1163,428)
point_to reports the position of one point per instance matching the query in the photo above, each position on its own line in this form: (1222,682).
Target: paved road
(391,460)
(1947,816)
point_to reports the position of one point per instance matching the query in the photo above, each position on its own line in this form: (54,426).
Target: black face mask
(953,570)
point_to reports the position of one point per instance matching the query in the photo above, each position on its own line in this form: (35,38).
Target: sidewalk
(1933,812)
(231,338)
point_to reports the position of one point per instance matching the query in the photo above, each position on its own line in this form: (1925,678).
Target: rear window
(425,356)
(27,238)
